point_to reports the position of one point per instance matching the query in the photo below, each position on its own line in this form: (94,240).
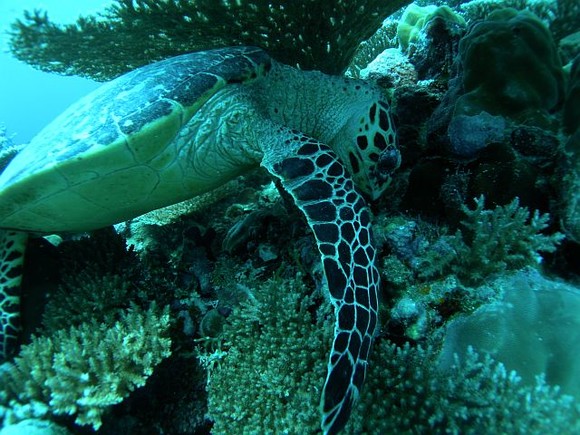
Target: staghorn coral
(131,33)
(490,241)
(103,296)
(99,275)
(83,370)
(506,238)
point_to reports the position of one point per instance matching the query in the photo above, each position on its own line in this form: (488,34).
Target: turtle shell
(96,163)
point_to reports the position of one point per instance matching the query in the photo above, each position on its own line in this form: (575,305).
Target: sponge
(511,67)
(533,329)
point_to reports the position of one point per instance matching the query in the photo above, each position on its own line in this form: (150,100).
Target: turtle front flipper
(12,246)
(337,214)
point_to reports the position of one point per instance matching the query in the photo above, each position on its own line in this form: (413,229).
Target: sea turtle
(177,128)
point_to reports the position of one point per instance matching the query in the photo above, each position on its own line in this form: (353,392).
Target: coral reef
(416,19)
(571,110)
(383,39)
(407,392)
(546,10)
(98,276)
(488,242)
(506,238)
(33,426)
(407,387)
(134,33)
(569,48)
(390,69)
(470,134)
(83,370)
(570,188)
(241,273)
(567,18)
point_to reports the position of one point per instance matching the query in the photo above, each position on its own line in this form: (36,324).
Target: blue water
(30,99)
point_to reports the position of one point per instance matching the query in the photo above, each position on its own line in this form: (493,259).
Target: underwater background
(211,316)
(31,98)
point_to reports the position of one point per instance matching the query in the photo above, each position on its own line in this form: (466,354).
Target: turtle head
(369,147)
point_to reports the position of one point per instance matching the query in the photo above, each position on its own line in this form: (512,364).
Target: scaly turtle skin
(177,128)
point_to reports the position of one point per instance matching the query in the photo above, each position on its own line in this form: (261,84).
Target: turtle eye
(389,160)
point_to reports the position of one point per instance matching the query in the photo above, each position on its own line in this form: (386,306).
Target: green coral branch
(490,241)
(505,238)
(83,370)
(310,33)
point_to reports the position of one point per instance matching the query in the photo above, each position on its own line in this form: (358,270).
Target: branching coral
(84,370)
(272,362)
(310,33)
(98,276)
(490,241)
(505,238)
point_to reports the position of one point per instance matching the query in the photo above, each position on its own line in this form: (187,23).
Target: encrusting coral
(416,18)
(133,33)
(532,327)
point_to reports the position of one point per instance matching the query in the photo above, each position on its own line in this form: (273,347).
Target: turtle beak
(389,161)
